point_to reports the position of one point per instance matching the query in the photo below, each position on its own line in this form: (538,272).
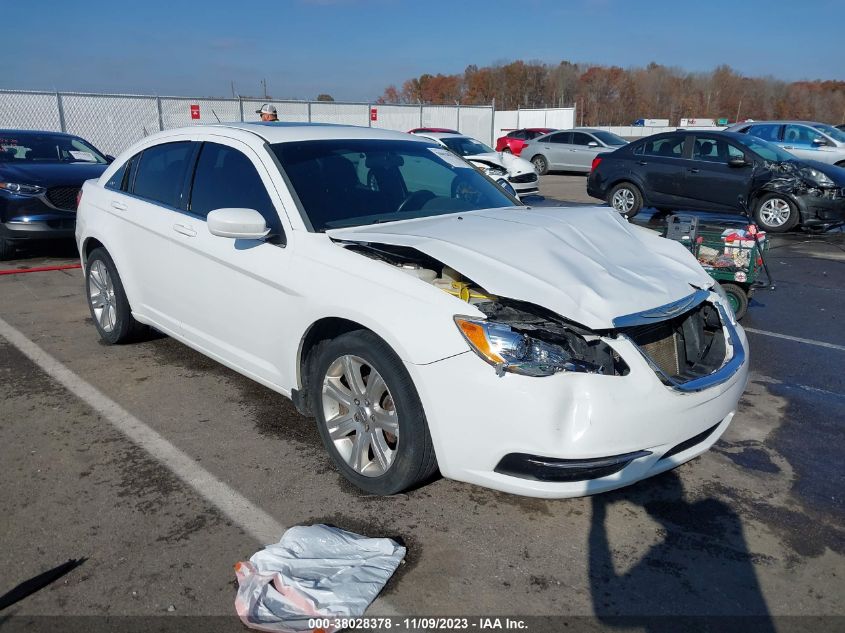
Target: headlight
(494,172)
(27,190)
(518,353)
(816,177)
(726,302)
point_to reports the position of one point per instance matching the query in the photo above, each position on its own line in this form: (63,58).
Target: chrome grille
(63,197)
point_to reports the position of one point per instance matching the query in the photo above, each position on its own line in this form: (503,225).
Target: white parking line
(797,339)
(242,512)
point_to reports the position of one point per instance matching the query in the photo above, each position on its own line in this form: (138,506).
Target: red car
(513,142)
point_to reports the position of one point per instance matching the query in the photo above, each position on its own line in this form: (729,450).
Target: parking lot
(217,466)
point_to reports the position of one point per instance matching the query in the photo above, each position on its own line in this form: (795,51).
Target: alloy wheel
(623,200)
(775,212)
(360,415)
(101,296)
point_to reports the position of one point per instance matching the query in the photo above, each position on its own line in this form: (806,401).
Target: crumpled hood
(587,264)
(514,165)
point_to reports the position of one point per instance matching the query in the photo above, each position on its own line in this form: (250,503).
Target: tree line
(610,95)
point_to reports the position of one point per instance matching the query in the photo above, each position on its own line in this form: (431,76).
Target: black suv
(40,175)
(713,171)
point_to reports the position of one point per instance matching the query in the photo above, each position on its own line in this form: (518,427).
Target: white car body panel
(250,303)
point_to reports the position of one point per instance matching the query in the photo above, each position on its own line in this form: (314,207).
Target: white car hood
(586,264)
(514,165)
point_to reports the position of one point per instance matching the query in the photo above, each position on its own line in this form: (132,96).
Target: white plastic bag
(314,571)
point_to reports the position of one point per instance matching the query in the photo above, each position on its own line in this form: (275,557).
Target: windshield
(766,150)
(343,183)
(831,131)
(609,138)
(466,146)
(26,147)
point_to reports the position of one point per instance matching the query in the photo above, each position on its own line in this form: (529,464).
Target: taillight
(78,197)
(596,162)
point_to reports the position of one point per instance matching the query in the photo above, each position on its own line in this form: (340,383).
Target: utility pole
(738,109)
(233,88)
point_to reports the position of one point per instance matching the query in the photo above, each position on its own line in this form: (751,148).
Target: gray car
(805,139)
(570,150)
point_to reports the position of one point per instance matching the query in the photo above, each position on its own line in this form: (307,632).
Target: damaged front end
(821,198)
(690,344)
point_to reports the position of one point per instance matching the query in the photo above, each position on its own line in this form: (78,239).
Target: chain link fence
(112,121)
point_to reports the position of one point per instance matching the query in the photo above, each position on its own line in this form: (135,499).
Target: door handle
(642,162)
(118,205)
(693,171)
(788,147)
(184,230)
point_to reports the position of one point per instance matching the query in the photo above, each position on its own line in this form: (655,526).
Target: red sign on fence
(373,114)
(195,111)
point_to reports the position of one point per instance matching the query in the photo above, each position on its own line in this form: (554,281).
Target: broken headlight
(816,177)
(512,351)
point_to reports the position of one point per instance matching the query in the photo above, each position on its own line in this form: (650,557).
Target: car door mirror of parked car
(737,161)
(242,224)
(819,141)
(592,144)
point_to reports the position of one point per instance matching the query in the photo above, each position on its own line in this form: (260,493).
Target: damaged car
(517,172)
(432,322)
(721,172)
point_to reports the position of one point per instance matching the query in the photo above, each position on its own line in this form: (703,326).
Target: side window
(517,134)
(765,132)
(579,138)
(120,178)
(226,178)
(671,147)
(161,172)
(735,152)
(560,137)
(710,149)
(800,135)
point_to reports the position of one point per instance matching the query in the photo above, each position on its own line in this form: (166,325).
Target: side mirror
(592,144)
(504,184)
(241,224)
(737,161)
(819,141)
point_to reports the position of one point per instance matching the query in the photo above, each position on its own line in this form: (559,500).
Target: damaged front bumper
(574,434)
(822,206)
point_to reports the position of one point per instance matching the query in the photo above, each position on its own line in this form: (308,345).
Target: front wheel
(776,213)
(7,249)
(369,415)
(626,199)
(540,164)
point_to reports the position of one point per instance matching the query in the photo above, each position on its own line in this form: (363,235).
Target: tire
(7,249)
(626,198)
(506,150)
(386,415)
(737,297)
(776,213)
(107,300)
(541,164)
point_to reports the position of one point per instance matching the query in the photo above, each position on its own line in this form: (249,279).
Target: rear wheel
(737,297)
(776,213)
(107,300)
(506,150)
(369,415)
(540,164)
(626,199)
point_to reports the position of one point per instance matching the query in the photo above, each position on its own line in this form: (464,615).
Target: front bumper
(478,419)
(817,208)
(30,217)
(523,188)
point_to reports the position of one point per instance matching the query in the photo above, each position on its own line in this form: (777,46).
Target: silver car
(804,139)
(570,150)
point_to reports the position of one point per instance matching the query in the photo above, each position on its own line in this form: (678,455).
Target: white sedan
(518,172)
(414,308)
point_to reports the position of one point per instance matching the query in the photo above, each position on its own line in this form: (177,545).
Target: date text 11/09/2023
(418,624)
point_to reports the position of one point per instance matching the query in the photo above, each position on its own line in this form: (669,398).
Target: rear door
(711,183)
(148,208)
(556,149)
(236,296)
(661,165)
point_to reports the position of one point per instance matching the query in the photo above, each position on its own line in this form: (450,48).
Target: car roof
(780,122)
(442,135)
(19,132)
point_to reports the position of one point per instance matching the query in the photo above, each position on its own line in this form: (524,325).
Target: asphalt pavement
(162,509)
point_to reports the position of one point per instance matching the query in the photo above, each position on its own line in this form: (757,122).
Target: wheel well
(89,246)
(320,332)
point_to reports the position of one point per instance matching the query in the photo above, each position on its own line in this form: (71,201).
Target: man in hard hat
(268,112)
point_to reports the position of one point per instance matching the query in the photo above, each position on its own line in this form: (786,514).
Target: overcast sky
(353,49)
